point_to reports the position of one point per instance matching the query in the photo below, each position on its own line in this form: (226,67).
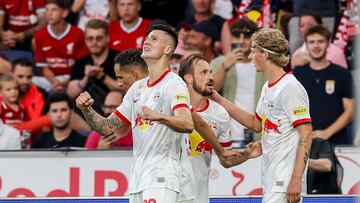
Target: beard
(202,92)
(62,127)
(318,58)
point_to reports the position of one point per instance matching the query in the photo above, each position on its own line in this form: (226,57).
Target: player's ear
(135,74)
(188,78)
(169,50)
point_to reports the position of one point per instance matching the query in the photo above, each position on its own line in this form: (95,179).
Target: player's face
(203,80)
(96,40)
(305,22)
(128,9)
(202,6)
(23,76)
(124,78)
(9,91)
(112,101)
(257,57)
(59,114)
(156,45)
(317,46)
(55,14)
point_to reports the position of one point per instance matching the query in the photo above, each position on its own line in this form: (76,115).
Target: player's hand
(294,190)
(107,142)
(148,114)
(320,134)
(84,100)
(253,150)
(228,158)
(215,96)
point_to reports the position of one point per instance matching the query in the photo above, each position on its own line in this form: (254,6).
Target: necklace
(317,75)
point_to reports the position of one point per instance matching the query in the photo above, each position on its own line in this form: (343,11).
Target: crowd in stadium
(53,50)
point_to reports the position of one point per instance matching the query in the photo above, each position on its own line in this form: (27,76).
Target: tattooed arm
(302,155)
(105,126)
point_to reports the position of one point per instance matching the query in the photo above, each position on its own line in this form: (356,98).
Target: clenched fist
(84,100)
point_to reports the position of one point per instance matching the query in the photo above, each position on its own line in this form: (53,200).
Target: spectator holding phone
(236,77)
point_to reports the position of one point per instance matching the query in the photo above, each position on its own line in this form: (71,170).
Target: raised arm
(245,118)
(181,121)
(105,126)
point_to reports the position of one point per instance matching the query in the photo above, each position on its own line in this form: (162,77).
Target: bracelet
(79,85)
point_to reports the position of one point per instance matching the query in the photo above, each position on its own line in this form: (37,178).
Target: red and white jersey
(122,38)
(11,117)
(200,150)
(282,106)
(59,52)
(21,15)
(156,147)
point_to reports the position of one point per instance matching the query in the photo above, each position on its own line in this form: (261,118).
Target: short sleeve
(83,50)
(258,111)
(178,95)
(124,111)
(224,132)
(40,57)
(348,89)
(295,103)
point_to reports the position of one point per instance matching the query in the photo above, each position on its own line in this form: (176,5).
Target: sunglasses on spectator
(95,38)
(237,33)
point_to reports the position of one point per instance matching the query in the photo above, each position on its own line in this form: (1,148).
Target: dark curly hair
(130,58)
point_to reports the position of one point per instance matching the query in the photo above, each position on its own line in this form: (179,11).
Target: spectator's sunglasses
(237,33)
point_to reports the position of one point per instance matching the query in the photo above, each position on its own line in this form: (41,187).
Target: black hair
(22,62)
(130,57)
(165,28)
(58,97)
(316,17)
(64,4)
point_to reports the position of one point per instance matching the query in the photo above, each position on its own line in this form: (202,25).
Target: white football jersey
(282,106)
(200,150)
(156,147)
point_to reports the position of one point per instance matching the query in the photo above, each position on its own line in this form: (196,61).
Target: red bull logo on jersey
(141,123)
(269,126)
(198,145)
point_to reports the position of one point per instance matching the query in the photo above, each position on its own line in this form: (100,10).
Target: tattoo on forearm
(104,126)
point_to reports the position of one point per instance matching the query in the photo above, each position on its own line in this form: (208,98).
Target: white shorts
(154,195)
(275,197)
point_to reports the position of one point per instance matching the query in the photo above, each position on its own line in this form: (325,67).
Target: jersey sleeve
(40,57)
(124,111)
(348,91)
(295,103)
(178,95)
(224,132)
(83,50)
(259,110)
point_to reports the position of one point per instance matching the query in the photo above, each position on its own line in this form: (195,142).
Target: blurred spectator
(130,30)
(19,20)
(9,138)
(31,96)
(325,171)
(129,68)
(224,9)
(235,75)
(5,65)
(94,72)
(94,9)
(202,37)
(57,46)
(121,138)
(59,108)
(11,111)
(333,53)
(327,9)
(330,89)
(169,10)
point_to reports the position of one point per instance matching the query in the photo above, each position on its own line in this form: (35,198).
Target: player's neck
(13,105)
(59,28)
(156,68)
(61,134)
(319,64)
(197,101)
(273,73)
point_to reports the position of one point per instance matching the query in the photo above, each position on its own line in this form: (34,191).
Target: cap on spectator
(207,28)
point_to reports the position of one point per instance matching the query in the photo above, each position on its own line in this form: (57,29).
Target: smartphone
(235,46)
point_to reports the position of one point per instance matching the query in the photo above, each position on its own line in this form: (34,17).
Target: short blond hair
(273,42)
(6,78)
